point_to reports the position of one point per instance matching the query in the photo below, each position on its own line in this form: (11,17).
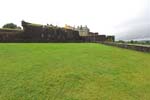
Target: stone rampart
(143,48)
(48,33)
(8,35)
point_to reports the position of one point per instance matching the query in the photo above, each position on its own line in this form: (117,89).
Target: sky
(126,19)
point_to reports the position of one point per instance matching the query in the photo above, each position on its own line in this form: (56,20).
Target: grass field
(83,71)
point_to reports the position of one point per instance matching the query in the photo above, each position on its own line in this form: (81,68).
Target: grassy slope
(73,72)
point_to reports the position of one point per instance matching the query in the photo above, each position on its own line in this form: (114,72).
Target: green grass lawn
(72,71)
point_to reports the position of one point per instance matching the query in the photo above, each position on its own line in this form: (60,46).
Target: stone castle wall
(10,35)
(99,38)
(49,34)
(129,46)
(40,33)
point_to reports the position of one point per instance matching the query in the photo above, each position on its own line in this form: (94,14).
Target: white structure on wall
(83,31)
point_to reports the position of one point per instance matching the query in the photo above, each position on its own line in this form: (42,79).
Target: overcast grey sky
(127,19)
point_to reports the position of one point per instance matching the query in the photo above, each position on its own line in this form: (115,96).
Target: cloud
(118,17)
(137,28)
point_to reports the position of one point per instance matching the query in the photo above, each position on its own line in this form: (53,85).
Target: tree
(10,25)
(121,41)
(131,41)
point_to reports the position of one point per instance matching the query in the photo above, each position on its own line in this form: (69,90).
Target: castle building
(69,27)
(48,33)
(83,31)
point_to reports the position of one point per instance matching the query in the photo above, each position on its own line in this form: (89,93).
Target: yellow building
(69,27)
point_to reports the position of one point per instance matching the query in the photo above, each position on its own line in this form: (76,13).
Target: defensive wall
(48,33)
(137,47)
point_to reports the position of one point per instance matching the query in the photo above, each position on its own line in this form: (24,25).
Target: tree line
(11,26)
